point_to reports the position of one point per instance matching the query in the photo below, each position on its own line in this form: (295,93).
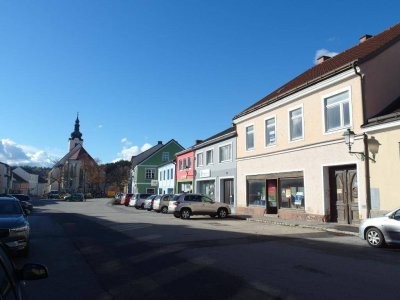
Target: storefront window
(256,192)
(207,188)
(291,193)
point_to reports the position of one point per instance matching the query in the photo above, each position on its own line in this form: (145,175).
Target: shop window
(256,192)
(291,193)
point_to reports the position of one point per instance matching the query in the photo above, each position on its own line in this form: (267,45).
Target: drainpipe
(357,70)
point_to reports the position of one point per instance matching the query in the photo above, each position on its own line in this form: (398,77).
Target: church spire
(76,134)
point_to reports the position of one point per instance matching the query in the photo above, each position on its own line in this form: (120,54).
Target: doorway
(343,194)
(229,196)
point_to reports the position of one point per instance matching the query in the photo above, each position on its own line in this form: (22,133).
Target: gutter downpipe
(357,70)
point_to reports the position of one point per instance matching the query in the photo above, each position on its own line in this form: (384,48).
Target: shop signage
(205,173)
(154,182)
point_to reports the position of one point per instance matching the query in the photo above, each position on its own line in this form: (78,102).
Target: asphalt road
(95,250)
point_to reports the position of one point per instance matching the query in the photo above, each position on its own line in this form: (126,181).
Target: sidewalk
(330,227)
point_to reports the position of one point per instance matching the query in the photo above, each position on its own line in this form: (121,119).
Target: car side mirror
(32,271)
(27,211)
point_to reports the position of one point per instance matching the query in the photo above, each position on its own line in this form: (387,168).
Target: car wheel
(164,210)
(185,213)
(137,207)
(177,215)
(375,237)
(142,206)
(222,213)
(149,209)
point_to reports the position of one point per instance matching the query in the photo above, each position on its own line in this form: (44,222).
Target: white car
(160,203)
(197,204)
(148,203)
(382,230)
(137,200)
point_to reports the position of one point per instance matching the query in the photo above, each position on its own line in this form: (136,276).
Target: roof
(339,63)
(76,153)
(227,133)
(19,178)
(136,160)
(389,114)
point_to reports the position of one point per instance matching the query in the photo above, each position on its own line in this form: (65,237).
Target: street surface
(95,250)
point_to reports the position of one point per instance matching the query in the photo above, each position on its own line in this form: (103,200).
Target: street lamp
(370,145)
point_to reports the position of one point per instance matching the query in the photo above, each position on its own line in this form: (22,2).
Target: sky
(144,71)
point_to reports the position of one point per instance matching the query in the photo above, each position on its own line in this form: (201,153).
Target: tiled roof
(136,160)
(231,131)
(343,61)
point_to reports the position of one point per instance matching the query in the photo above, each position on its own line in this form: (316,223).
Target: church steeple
(76,135)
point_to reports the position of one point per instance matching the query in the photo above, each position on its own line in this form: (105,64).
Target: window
(337,111)
(250,137)
(189,162)
(292,193)
(164,177)
(199,159)
(168,177)
(180,165)
(159,175)
(256,192)
(225,153)
(165,156)
(184,164)
(209,157)
(296,124)
(172,174)
(270,135)
(150,173)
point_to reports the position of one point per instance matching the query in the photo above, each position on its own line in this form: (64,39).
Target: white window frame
(265,131)
(290,122)
(219,153)
(254,137)
(200,154)
(152,171)
(342,127)
(212,157)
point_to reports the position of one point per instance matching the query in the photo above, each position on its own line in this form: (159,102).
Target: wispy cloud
(321,52)
(18,155)
(127,152)
(100,126)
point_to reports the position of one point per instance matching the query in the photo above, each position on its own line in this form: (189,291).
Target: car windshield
(10,207)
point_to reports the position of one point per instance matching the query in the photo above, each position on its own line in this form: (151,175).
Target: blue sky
(143,71)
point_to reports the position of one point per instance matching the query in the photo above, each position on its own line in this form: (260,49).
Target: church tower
(76,136)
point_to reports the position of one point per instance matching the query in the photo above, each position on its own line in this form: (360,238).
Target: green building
(144,175)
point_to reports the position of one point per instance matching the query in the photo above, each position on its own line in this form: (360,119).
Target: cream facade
(385,172)
(308,159)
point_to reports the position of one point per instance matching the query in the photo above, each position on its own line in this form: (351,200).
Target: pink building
(185,170)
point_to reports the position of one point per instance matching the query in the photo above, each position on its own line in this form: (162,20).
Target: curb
(315,227)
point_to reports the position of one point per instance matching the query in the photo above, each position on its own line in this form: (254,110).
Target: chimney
(198,142)
(365,37)
(159,143)
(322,58)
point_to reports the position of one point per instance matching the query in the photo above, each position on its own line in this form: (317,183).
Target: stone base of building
(293,214)
(378,213)
(301,215)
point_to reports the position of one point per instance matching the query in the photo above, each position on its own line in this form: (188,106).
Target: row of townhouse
(324,146)
(19,181)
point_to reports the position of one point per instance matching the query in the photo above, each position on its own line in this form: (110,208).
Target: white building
(166,178)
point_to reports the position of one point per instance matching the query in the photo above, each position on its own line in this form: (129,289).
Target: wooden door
(344,195)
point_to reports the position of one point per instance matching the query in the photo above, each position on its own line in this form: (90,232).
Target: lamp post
(370,145)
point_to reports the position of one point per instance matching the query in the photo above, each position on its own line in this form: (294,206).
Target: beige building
(291,156)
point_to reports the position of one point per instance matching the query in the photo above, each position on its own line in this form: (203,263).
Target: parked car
(148,203)
(26,205)
(75,197)
(381,230)
(53,195)
(117,197)
(14,226)
(198,204)
(137,200)
(13,279)
(160,203)
(126,198)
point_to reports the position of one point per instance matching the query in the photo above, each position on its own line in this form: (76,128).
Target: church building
(77,171)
